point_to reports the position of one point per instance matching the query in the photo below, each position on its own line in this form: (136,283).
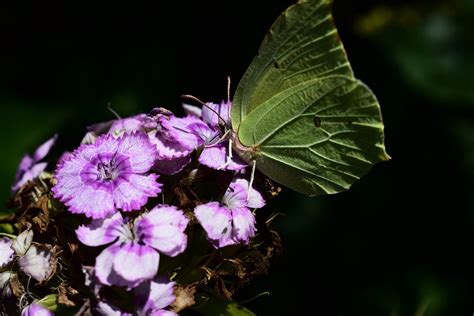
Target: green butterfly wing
(301,45)
(300,113)
(317,137)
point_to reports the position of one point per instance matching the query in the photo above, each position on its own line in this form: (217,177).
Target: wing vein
(305,171)
(271,133)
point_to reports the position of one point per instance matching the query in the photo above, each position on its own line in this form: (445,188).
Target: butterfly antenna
(188,132)
(213,142)
(228,89)
(109,107)
(191,97)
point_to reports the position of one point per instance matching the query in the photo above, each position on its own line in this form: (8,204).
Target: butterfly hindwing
(317,137)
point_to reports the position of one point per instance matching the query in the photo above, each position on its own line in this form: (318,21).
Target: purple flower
(30,166)
(192,132)
(172,156)
(97,179)
(37,263)
(217,114)
(137,245)
(107,309)
(192,110)
(116,128)
(152,297)
(230,221)
(6,252)
(35,310)
(128,124)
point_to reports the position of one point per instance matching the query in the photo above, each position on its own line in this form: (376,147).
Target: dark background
(399,242)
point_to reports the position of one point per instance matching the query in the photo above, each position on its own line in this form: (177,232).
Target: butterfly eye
(317,121)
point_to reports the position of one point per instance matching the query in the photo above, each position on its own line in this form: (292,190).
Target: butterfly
(300,114)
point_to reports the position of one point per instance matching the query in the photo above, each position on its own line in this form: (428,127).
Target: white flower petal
(37,263)
(23,242)
(6,252)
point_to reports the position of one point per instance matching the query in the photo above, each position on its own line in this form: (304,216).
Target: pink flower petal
(44,148)
(26,162)
(136,263)
(105,144)
(6,252)
(243,224)
(102,231)
(128,124)
(162,228)
(106,309)
(29,167)
(187,131)
(192,110)
(216,114)
(236,194)
(29,175)
(37,263)
(104,266)
(155,295)
(168,240)
(255,199)
(166,148)
(216,221)
(167,215)
(139,150)
(213,157)
(107,262)
(99,178)
(162,312)
(173,166)
(133,194)
(36,310)
(93,203)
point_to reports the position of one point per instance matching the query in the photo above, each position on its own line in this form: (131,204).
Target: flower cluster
(122,209)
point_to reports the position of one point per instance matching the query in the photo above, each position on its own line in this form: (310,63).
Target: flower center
(107,171)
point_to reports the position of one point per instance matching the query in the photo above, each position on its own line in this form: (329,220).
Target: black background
(399,241)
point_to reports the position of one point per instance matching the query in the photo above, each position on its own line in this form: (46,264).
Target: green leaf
(7,228)
(49,302)
(217,307)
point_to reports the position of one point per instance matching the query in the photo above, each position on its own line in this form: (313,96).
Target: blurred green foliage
(398,243)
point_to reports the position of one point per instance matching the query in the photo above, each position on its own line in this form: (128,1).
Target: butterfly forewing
(321,158)
(301,45)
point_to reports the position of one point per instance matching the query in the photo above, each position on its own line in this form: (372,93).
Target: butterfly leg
(229,155)
(252,177)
